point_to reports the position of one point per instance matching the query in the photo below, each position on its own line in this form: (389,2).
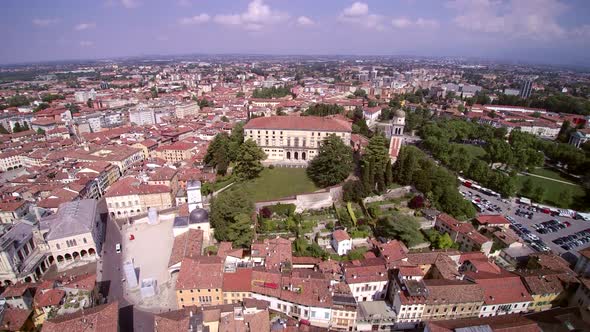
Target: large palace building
(294,140)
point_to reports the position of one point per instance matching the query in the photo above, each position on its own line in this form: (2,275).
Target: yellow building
(547,290)
(200,282)
(176,152)
(237,286)
(294,140)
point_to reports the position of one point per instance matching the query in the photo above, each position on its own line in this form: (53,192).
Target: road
(110,275)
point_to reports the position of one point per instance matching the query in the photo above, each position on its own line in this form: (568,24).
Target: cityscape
(295,170)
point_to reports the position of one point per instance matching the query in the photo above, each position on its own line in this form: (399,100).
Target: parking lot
(531,228)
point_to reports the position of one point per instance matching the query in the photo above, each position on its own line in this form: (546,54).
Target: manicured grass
(549,173)
(554,189)
(474,151)
(277,183)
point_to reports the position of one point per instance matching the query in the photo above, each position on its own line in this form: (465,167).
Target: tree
(224,119)
(17,128)
(25,126)
(226,209)
(444,242)
(248,162)
(527,188)
(375,161)
(360,93)
(3,130)
(353,191)
(565,198)
(240,95)
(240,232)
(417,202)
(217,155)
(402,227)
(89,103)
(40,131)
(333,163)
(538,194)
(324,110)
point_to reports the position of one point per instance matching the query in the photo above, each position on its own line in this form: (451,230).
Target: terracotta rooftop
(340,235)
(312,123)
(133,186)
(201,272)
(239,281)
(102,318)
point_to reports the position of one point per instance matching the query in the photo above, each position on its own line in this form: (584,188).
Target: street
(109,277)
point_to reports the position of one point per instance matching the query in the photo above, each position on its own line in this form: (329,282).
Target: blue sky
(551,31)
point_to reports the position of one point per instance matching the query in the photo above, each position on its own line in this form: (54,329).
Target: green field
(549,173)
(553,190)
(277,183)
(474,151)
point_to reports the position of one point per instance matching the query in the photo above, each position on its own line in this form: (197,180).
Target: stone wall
(390,194)
(311,201)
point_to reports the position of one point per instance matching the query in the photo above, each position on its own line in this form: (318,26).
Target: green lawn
(549,173)
(277,183)
(554,189)
(474,151)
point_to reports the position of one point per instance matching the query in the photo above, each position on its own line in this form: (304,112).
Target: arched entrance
(68,257)
(7,283)
(289,155)
(296,155)
(303,155)
(50,259)
(76,255)
(60,258)
(91,252)
(83,253)
(28,279)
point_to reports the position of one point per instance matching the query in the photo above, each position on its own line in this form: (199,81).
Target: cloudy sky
(551,31)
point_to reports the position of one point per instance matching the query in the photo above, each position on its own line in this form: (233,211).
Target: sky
(540,31)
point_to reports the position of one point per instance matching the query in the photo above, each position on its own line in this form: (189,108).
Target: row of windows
(71,243)
(198,290)
(202,299)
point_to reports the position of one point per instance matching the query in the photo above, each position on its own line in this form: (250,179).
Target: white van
(118,248)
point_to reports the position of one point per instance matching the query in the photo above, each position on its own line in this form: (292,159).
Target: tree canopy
(248,161)
(401,227)
(230,216)
(333,163)
(272,92)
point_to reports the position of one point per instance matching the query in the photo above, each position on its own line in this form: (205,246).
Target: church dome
(198,216)
(399,114)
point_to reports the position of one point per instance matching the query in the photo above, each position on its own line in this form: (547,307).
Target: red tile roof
(492,219)
(103,318)
(299,123)
(133,186)
(239,281)
(201,272)
(13,319)
(340,235)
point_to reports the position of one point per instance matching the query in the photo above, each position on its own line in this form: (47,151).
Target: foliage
(353,191)
(302,248)
(284,210)
(360,93)
(272,92)
(351,212)
(417,202)
(357,253)
(333,163)
(3,130)
(49,97)
(439,241)
(437,183)
(40,131)
(217,155)
(401,227)
(375,164)
(324,110)
(248,162)
(230,216)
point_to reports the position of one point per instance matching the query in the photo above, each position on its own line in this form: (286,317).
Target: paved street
(509,209)
(131,319)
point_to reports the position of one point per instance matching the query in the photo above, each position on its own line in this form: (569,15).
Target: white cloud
(43,22)
(197,19)
(358,13)
(255,17)
(401,22)
(427,23)
(357,9)
(130,3)
(85,26)
(304,20)
(86,43)
(535,19)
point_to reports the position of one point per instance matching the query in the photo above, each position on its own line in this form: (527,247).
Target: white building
(187,110)
(193,192)
(341,242)
(83,96)
(367,279)
(142,116)
(74,232)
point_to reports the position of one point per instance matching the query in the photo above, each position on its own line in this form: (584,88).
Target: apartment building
(464,234)
(368,279)
(294,140)
(237,285)
(129,197)
(176,152)
(13,211)
(186,110)
(200,282)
